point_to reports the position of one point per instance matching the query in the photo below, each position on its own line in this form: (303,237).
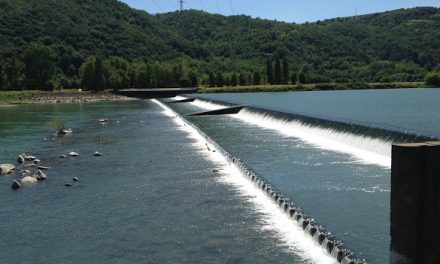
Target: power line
(158,6)
(232,9)
(218,7)
(203,6)
(173,5)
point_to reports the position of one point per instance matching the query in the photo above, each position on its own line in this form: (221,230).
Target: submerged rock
(28,180)
(68,184)
(215,170)
(103,120)
(73,154)
(97,154)
(63,156)
(64,131)
(15,185)
(24,173)
(6,168)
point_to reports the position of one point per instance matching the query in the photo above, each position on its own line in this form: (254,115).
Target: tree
(211,79)
(13,74)
(277,72)
(269,71)
(285,76)
(87,73)
(39,66)
(234,79)
(293,77)
(302,77)
(242,79)
(257,78)
(219,79)
(193,78)
(433,78)
(99,75)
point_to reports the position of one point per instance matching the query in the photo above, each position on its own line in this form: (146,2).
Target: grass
(17,97)
(310,87)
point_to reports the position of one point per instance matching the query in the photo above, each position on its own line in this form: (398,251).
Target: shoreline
(312,87)
(12,98)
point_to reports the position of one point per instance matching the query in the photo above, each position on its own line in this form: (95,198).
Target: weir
(223,111)
(316,232)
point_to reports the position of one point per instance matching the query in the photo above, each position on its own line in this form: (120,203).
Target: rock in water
(36,161)
(6,168)
(73,154)
(40,176)
(15,185)
(20,158)
(63,156)
(97,154)
(68,184)
(28,180)
(43,168)
(29,158)
(75,179)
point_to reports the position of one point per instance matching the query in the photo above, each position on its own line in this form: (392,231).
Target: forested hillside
(82,39)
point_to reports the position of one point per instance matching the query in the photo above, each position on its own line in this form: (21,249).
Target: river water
(156,195)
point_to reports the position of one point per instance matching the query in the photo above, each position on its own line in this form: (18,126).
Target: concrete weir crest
(325,239)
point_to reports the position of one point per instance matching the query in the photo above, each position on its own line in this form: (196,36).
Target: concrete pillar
(415,203)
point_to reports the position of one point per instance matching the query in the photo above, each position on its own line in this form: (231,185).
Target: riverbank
(54,97)
(311,87)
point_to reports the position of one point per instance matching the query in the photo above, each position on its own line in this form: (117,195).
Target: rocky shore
(56,97)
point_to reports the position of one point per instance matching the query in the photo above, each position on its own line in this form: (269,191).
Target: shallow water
(152,197)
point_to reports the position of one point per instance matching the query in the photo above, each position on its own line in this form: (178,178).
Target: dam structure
(322,238)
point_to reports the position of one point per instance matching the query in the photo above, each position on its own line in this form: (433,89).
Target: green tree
(242,79)
(193,79)
(433,78)
(87,74)
(285,76)
(211,79)
(39,66)
(219,79)
(234,79)
(293,77)
(13,73)
(302,77)
(277,72)
(257,78)
(269,72)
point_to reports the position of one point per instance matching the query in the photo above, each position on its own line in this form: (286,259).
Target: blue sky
(284,10)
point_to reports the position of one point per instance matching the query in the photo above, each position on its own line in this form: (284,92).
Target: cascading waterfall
(297,230)
(362,148)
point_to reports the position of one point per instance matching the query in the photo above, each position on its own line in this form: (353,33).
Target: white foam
(364,149)
(207,105)
(272,217)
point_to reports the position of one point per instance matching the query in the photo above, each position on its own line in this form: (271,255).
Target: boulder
(40,176)
(73,154)
(29,158)
(97,154)
(36,161)
(24,173)
(75,179)
(28,180)
(6,168)
(20,158)
(15,185)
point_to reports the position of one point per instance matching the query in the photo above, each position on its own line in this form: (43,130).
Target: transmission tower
(181,5)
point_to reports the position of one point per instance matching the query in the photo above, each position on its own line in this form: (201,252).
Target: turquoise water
(151,198)
(155,196)
(414,111)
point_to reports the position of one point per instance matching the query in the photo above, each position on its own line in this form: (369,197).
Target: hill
(400,45)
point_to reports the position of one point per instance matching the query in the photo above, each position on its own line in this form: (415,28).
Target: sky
(297,11)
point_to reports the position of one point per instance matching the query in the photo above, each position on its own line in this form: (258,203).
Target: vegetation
(433,78)
(104,44)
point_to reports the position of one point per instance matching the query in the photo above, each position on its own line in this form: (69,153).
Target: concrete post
(415,203)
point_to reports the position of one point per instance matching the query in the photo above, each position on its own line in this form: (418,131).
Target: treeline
(38,69)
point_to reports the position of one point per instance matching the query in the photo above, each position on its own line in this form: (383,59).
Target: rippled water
(151,198)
